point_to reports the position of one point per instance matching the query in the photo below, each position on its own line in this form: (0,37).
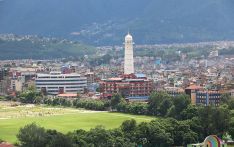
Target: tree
(99,137)
(190,112)
(182,133)
(115,100)
(119,140)
(122,106)
(78,138)
(32,136)
(30,96)
(56,139)
(153,134)
(231,104)
(231,129)
(155,100)
(180,102)
(38,100)
(214,120)
(129,127)
(165,106)
(225,98)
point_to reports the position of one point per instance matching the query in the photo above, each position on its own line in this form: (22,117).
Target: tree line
(200,121)
(157,133)
(160,132)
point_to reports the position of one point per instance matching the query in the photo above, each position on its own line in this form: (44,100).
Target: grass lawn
(61,119)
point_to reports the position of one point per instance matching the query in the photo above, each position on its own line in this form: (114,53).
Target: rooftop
(67,95)
(194,87)
(115,79)
(140,75)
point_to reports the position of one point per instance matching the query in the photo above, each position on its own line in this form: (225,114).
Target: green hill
(42,48)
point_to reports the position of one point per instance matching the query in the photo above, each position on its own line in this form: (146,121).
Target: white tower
(128,56)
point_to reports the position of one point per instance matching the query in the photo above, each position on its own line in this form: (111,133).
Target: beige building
(17,84)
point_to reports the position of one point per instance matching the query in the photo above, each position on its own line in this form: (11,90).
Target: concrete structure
(173,91)
(90,78)
(4,81)
(208,98)
(56,83)
(200,96)
(128,55)
(3,73)
(134,87)
(192,91)
(17,84)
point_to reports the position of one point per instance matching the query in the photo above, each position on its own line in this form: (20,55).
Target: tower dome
(128,37)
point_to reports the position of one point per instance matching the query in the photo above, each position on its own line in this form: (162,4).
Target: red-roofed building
(132,87)
(194,87)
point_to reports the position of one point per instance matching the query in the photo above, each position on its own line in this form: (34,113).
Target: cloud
(75,33)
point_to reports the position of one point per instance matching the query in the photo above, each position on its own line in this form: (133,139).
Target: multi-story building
(200,96)
(56,83)
(173,91)
(17,84)
(90,78)
(132,87)
(192,91)
(208,98)
(3,73)
(4,81)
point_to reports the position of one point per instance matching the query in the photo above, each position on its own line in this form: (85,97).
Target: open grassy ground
(61,119)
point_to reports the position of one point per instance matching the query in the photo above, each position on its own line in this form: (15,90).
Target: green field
(61,119)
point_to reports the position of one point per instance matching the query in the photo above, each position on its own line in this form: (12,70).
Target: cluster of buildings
(48,82)
(132,86)
(182,80)
(204,80)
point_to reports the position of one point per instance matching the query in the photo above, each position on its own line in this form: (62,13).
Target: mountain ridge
(106,22)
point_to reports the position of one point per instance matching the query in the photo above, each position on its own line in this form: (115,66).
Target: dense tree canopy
(32,136)
(159,133)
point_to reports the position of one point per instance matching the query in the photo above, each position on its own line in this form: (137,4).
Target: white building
(57,83)
(128,55)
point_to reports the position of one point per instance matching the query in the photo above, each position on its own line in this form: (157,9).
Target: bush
(90,104)
(2,98)
(32,136)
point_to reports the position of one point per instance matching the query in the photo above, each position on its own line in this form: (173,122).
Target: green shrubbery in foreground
(165,132)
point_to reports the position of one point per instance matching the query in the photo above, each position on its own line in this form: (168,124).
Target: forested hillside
(41,48)
(105,22)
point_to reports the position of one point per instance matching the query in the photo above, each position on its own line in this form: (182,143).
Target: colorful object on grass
(212,141)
